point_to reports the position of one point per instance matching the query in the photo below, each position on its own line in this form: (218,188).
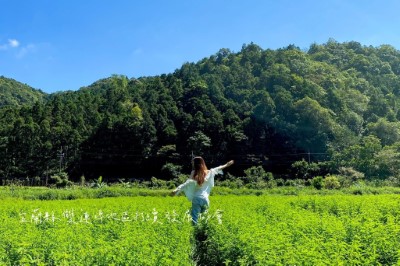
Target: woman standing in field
(198,187)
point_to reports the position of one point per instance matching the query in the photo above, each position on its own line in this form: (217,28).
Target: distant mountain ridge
(14,93)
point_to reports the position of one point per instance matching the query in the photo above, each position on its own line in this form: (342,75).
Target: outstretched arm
(226,165)
(179,189)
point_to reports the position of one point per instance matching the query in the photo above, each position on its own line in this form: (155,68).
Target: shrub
(179,179)
(289,183)
(295,182)
(331,182)
(392,181)
(49,195)
(259,185)
(317,182)
(170,170)
(158,183)
(280,182)
(106,193)
(61,180)
(257,174)
(98,183)
(348,176)
(237,183)
(303,170)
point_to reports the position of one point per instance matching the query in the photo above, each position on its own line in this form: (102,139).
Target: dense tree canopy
(335,104)
(14,93)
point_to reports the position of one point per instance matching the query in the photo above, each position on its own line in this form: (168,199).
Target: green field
(239,230)
(110,231)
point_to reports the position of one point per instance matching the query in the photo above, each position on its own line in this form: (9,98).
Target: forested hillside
(334,105)
(14,93)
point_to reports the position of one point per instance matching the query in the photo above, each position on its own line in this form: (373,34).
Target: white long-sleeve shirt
(192,189)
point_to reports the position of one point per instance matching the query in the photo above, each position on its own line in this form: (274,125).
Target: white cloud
(13,43)
(21,51)
(24,50)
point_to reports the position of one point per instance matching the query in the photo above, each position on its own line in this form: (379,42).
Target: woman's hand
(228,164)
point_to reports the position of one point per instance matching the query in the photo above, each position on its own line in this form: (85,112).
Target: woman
(198,187)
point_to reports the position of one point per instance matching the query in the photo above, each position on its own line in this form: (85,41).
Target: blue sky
(58,45)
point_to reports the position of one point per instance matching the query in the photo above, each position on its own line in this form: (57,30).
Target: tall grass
(78,192)
(303,230)
(284,227)
(111,231)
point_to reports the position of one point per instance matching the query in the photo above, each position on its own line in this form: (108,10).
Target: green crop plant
(306,230)
(292,229)
(112,231)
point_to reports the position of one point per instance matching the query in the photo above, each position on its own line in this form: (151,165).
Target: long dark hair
(200,170)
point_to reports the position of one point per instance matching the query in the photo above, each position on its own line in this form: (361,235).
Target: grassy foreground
(303,230)
(79,192)
(110,231)
(274,227)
